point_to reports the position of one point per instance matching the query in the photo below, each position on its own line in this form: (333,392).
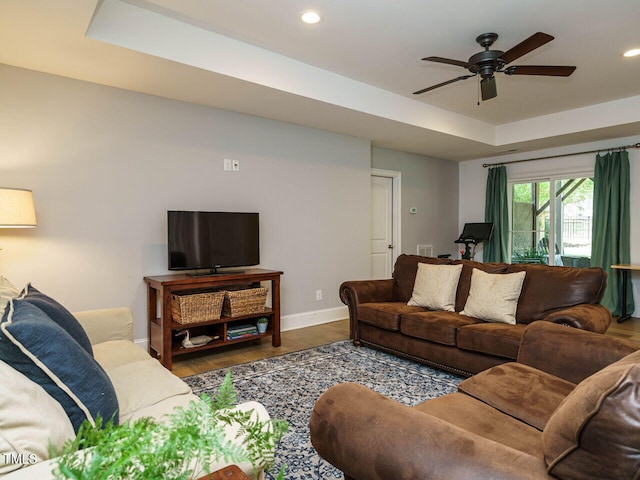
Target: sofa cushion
(58,314)
(499,339)
(464,284)
(29,420)
(439,327)
(436,286)
(595,432)
(547,289)
(40,349)
(523,392)
(404,273)
(107,324)
(142,384)
(479,418)
(385,314)
(114,353)
(494,297)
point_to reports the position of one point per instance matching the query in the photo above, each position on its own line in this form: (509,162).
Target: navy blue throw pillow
(58,314)
(41,350)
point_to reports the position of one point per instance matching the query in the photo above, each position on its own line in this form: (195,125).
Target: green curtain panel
(496,211)
(611,239)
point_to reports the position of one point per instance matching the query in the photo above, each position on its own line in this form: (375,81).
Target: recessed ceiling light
(310,17)
(632,53)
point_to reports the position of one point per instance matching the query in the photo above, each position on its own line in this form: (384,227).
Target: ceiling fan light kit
(488,88)
(489,62)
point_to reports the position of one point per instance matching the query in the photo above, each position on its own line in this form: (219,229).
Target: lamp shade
(16,208)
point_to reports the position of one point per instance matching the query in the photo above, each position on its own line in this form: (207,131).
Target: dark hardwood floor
(294,340)
(629,330)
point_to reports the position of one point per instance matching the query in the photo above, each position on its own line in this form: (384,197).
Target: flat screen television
(211,240)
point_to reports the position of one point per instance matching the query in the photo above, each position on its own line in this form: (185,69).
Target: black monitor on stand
(473,234)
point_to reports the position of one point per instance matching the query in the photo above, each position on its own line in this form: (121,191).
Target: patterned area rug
(289,385)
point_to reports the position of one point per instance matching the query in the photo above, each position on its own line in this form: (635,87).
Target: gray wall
(430,185)
(106,164)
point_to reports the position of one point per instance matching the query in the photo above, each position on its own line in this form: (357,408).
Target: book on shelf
(241,331)
(242,335)
(245,328)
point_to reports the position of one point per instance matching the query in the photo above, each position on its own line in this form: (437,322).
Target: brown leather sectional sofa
(380,317)
(567,409)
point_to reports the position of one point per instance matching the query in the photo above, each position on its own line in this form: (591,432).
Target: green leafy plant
(529,255)
(183,445)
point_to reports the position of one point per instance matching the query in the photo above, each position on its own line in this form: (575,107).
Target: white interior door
(381,227)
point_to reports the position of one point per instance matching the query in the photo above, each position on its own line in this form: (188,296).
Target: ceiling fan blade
(488,88)
(433,87)
(448,61)
(534,41)
(548,70)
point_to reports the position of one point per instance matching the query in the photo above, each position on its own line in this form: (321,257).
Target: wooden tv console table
(163,342)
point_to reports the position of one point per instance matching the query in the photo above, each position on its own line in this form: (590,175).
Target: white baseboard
(294,321)
(315,317)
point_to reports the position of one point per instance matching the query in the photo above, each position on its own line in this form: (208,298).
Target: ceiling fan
(488,62)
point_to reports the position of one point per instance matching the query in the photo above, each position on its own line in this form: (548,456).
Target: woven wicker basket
(196,307)
(244,302)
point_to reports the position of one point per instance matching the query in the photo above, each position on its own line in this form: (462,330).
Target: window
(550,221)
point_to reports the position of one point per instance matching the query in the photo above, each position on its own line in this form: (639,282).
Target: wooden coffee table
(232,472)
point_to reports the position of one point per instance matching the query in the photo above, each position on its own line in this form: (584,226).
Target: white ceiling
(353,73)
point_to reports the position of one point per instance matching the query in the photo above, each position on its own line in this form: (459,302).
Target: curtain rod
(485,165)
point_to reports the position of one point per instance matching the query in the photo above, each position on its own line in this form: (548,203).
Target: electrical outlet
(228,164)
(318,294)
(236,165)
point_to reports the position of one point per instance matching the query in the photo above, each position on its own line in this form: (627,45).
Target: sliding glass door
(550,221)
(530,215)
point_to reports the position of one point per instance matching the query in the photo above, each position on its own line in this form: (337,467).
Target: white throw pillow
(7,292)
(493,297)
(436,286)
(29,420)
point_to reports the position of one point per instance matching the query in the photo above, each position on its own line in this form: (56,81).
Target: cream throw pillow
(436,286)
(7,292)
(29,420)
(494,297)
